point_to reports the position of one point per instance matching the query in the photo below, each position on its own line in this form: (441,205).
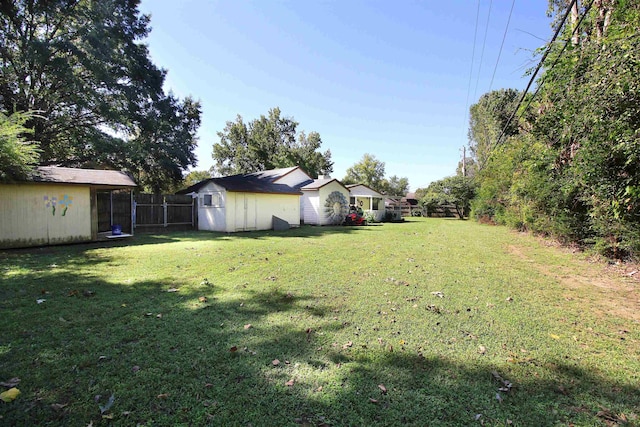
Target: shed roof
(255,182)
(316,184)
(60,175)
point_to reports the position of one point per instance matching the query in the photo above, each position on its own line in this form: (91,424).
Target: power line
(484,43)
(535,73)
(473,55)
(504,36)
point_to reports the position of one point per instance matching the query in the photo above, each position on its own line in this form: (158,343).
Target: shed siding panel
(28,217)
(284,206)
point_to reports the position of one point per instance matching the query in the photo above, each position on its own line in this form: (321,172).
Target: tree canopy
(454,190)
(82,66)
(370,172)
(395,186)
(269,142)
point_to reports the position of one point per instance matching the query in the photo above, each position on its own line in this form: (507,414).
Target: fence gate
(157,211)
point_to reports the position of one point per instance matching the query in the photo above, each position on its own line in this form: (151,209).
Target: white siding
(310,207)
(212,218)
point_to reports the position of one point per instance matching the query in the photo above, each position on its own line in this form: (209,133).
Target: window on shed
(352,200)
(211,200)
(376,203)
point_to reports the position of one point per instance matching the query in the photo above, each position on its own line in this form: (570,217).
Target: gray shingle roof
(60,175)
(256,182)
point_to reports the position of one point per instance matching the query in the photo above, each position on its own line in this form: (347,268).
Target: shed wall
(254,211)
(42,214)
(213,218)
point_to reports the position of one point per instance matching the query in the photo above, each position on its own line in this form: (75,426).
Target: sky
(394,79)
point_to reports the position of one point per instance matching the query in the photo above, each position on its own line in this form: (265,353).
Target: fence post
(164,211)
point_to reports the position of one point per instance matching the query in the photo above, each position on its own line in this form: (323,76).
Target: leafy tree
(195,177)
(82,67)
(487,119)
(454,190)
(470,167)
(268,142)
(18,156)
(395,186)
(369,171)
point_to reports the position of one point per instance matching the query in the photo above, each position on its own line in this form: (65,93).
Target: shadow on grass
(142,238)
(205,355)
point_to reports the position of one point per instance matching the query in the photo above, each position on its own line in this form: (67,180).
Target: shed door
(246,212)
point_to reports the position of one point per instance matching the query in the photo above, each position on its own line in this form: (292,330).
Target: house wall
(43,214)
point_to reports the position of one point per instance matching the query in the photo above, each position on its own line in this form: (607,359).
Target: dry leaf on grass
(382,388)
(289,383)
(347,345)
(233,349)
(10,383)
(275,362)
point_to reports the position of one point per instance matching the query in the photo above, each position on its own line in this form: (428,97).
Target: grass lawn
(430,322)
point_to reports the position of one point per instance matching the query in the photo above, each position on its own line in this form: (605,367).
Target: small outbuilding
(325,202)
(65,205)
(253,201)
(369,200)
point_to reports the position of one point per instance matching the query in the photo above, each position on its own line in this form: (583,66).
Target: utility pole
(464,160)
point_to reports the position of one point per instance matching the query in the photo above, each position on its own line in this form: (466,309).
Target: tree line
(568,164)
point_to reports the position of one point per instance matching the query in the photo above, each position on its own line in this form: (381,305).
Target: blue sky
(389,78)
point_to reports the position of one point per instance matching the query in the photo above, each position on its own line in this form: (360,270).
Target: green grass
(344,310)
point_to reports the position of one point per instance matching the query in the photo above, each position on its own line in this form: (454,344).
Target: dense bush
(571,169)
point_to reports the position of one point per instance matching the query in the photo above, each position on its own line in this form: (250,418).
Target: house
(252,201)
(369,200)
(64,205)
(324,201)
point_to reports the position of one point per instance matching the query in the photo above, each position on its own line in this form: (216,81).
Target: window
(376,203)
(211,200)
(352,200)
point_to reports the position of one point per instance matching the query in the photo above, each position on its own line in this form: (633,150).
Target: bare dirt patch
(612,289)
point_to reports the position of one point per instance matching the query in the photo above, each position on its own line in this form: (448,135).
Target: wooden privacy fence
(162,211)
